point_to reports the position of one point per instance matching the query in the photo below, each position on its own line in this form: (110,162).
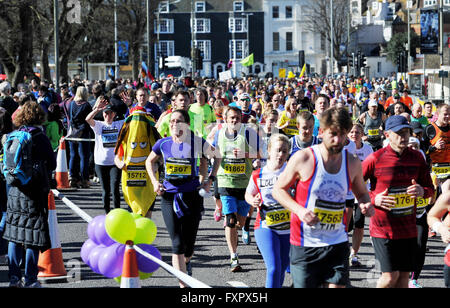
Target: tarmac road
(211,258)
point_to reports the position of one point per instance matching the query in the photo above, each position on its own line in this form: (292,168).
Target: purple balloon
(101,235)
(86,250)
(92,226)
(146,265)
(94,257)
(110,262)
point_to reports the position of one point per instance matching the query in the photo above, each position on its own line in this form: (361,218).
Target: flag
(111,73)
(144,69)
(248,61)
(291,75)
(145,72)
(230,64)
(303,71)
(282,73)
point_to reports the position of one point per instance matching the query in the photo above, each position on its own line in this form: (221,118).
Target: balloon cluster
(104,250)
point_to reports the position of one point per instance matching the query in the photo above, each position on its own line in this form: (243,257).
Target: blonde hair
(277,137)
(81,94)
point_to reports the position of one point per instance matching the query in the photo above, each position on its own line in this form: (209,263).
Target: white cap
(373,103)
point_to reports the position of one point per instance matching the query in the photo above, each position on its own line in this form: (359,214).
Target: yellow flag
(291,75)
(281,73)
(303,71)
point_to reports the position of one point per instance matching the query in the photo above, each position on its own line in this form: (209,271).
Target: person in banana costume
(134,145)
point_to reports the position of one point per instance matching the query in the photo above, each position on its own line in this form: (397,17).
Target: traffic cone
(51,264)
(62,172)
(130,273)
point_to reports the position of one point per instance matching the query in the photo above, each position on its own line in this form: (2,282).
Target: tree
(398,43)
(16,41)
(317,20)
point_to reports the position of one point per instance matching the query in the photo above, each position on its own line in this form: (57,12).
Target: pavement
(211,258)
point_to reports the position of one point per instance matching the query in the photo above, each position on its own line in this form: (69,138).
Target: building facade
(222,30)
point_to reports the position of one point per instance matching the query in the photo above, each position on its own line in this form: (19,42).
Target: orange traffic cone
(130,273)
(62,172)
(51,264)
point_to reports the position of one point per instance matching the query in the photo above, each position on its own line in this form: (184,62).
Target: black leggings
(182,231)
(422,239)
(109,177)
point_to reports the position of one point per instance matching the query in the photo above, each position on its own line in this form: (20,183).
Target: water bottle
(205,194)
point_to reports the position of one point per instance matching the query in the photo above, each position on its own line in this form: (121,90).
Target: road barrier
(186,279)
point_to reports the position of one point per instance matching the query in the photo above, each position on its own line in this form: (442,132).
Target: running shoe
(34,285)
(413,284)
(218,214)
(235,267)
(246,237)
(15,282)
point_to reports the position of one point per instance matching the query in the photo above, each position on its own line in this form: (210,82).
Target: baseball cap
(414,140)
(396,122)
(373,103)
(244,96)
(109,107)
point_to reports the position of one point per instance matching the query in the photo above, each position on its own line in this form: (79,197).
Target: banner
(281,73)
(224,76)
(429,31)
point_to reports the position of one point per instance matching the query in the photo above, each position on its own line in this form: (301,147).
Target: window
(288,11)
(165,26)
(200,6)
(276,41)
(205,49)
(289,41)
(378,67)
(167,48)
(238,6)
(238,49)
(202,25)
(275,12)
(163,7)
(429,3)
(237,24)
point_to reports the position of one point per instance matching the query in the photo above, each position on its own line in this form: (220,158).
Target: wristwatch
(212,178)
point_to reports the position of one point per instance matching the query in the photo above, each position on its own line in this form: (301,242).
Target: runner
(362,150)
(305,138)
(398,176)
(373,121)
(288,118)
(272,221)
(437,212)
(237,146)
(322,103)
(181,204)
(438,135)
(106,134)
(324,174)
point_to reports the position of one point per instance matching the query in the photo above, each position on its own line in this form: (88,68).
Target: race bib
(373,132)
(441,170)
(330,214)
(291,130)
(136,176)
(276,216)
(421,205)
(404,203)
(178,167)
(234,166)
(109,137)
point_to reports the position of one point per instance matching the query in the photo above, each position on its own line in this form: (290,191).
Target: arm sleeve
(157,147)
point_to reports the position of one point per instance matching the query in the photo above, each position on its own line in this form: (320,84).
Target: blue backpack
(17,157)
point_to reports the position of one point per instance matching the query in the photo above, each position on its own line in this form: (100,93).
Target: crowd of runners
(306,159)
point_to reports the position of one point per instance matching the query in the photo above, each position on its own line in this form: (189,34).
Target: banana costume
(134,145)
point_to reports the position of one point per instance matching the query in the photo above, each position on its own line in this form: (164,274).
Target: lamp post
(116,55)
(56,38)
(441,43)
(247,35)
(331,39)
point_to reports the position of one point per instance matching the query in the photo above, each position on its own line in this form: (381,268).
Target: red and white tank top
(324,194)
